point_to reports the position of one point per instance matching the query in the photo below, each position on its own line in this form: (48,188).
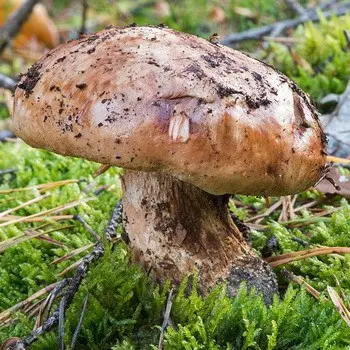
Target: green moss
(322,46)
(125,308)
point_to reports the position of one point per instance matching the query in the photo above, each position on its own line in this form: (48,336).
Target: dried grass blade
(49,211)
(7,313)
(287,258)
(339,305)
(72,254)
(34,200)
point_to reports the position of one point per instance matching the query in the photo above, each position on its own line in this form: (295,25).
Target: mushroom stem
(175,228)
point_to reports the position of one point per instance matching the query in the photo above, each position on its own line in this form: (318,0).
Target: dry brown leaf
(339,305)
(299,61)
(245,12)
(162,9)
(343,181)
(217,14)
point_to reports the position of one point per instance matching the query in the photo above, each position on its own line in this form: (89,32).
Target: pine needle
(7,313)
(70,267)
(41,187)
(299,280)
(49,211)
(46,238)
(34,200)
(287,258)
(38,219)
(72,254)
(19,239)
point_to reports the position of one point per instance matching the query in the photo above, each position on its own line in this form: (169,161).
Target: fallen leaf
(343,181)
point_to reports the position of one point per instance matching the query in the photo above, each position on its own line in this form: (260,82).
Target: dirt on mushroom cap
(154,99)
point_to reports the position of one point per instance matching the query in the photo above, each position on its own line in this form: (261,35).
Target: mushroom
(191,122)
(38,29)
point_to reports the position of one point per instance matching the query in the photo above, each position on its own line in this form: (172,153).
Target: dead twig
(74,283)
(7,171)
(87,227)
(15,22)
(49,211)
(276,29)
(77,330)
(7,82)
(6,135)
(165,319)
(7,313)
(84,11)
(61,314)
(295,6)
(114,221)
(271,209)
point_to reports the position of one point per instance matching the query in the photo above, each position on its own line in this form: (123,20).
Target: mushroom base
(175,228)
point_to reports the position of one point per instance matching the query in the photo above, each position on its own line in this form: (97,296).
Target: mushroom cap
(154,99)
(38,26)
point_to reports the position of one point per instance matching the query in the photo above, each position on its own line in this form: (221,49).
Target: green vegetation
(320,60)
(125,308)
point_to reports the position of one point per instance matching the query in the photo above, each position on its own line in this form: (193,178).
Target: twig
(74,282)
(347,38)
(283,40)
(165,319)
(114,221)
(7,171)
(5,135)
(77,330)
(37,219)
(87,227)
(7,82)
(257,33)
(7,313)
(85,6)
(15,22)
(345,298)
(295,6)
(46,307)
(271,209)
(61,314)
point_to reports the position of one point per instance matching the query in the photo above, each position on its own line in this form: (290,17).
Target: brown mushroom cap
(154,99)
